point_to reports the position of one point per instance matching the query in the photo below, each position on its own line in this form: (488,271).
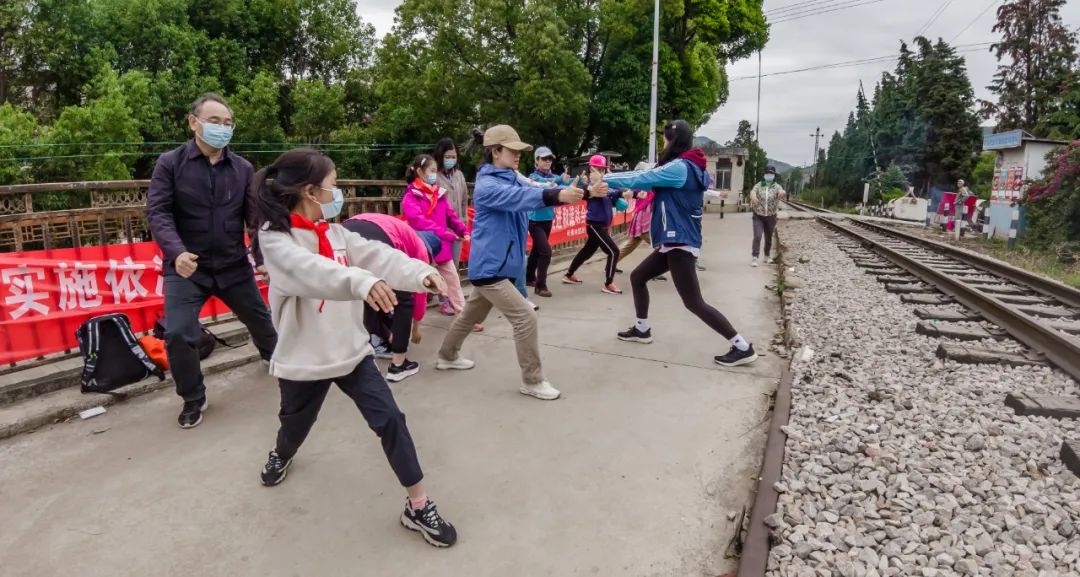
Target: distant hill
(781,166)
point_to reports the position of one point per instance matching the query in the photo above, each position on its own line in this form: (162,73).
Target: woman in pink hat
(598,219)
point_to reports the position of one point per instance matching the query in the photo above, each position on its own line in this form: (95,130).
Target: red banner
(45,295)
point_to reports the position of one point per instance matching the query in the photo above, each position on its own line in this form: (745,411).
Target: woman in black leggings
(597,221)
(679,183)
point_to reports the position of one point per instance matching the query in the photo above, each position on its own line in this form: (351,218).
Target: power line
(802,6)
(960,49)
(818,13)
(933,18)
(796,6)
(974,20)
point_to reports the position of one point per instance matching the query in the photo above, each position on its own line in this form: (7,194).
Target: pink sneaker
(447,309)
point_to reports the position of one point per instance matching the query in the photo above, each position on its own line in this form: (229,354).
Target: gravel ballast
(900,463)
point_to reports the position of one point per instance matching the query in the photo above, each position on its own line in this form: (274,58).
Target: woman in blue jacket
(502,200)
(679,183)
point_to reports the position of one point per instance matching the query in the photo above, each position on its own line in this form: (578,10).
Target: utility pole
(655,66)
(814,157)
(757,124)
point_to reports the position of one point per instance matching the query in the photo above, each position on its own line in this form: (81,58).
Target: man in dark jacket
(197,206)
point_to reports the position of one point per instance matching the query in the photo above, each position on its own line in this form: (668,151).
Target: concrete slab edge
(755,551)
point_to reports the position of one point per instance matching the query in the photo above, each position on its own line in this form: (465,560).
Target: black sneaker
(427,521)
(274,470)
(403,371)
(191,414)
(618,270)
(735,357)
(635,336)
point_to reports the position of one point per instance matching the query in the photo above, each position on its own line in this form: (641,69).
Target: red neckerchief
(320,228)
(432,192)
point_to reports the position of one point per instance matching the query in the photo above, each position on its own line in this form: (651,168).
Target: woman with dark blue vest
(679,182)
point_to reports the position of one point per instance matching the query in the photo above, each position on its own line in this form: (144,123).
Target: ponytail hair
(419,164)
(279,187)
(680,139)
(477,143)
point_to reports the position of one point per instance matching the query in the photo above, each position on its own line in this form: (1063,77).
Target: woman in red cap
(598,219)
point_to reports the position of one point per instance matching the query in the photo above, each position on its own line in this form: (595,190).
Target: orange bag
(155,349)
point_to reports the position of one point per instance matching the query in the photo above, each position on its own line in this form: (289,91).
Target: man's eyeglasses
(227,122)
(547,158)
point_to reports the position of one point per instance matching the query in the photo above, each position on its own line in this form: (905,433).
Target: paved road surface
(633,472)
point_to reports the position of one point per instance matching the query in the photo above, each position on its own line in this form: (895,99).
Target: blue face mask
(449,163)
(333,208)
(769,178)
(216,135)
(431,178)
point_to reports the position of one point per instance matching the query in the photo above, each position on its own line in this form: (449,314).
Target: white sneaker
(753,261)
(458,364)
(769,260)
(535,306)
(543,391)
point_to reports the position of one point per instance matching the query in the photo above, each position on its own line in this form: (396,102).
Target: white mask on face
(769,178)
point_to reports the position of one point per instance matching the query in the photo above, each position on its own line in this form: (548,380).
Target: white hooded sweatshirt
(317,304)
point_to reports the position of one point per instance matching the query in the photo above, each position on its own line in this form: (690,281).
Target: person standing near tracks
(502,202)
(197,206)
(765,200)
(540,222)
(679,183)
(321,276)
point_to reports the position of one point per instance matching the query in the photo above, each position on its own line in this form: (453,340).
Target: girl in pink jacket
(426,207)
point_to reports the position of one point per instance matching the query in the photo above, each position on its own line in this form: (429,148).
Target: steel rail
(1037,283)
(1060,350)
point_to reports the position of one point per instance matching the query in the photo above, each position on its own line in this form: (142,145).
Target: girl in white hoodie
(320,277)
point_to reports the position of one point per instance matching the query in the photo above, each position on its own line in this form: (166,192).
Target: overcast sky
(793,105)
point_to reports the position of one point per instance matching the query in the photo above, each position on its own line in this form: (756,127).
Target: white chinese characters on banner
(78,286)
(23,296)
(125,280)
(159,288)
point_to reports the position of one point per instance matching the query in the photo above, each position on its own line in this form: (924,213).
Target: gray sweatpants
(763,225)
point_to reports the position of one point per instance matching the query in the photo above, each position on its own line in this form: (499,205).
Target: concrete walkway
(633,472)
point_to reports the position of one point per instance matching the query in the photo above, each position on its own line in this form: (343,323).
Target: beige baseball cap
(504,135)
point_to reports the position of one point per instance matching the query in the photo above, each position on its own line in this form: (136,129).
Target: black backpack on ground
(208,341)
(112,356)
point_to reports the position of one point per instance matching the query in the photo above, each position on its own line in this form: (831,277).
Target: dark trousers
(598,239)
(394,327)
(684,276)
(763,225)
(183,301)
(301,401)
(536,268)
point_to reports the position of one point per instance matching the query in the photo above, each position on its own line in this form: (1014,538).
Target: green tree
(17,127)
(794,180)
(80,134)
(1041,53)
(317,110)
(982,176)
(756,159)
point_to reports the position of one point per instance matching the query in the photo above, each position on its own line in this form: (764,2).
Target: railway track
(1042,316)
(802,207)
